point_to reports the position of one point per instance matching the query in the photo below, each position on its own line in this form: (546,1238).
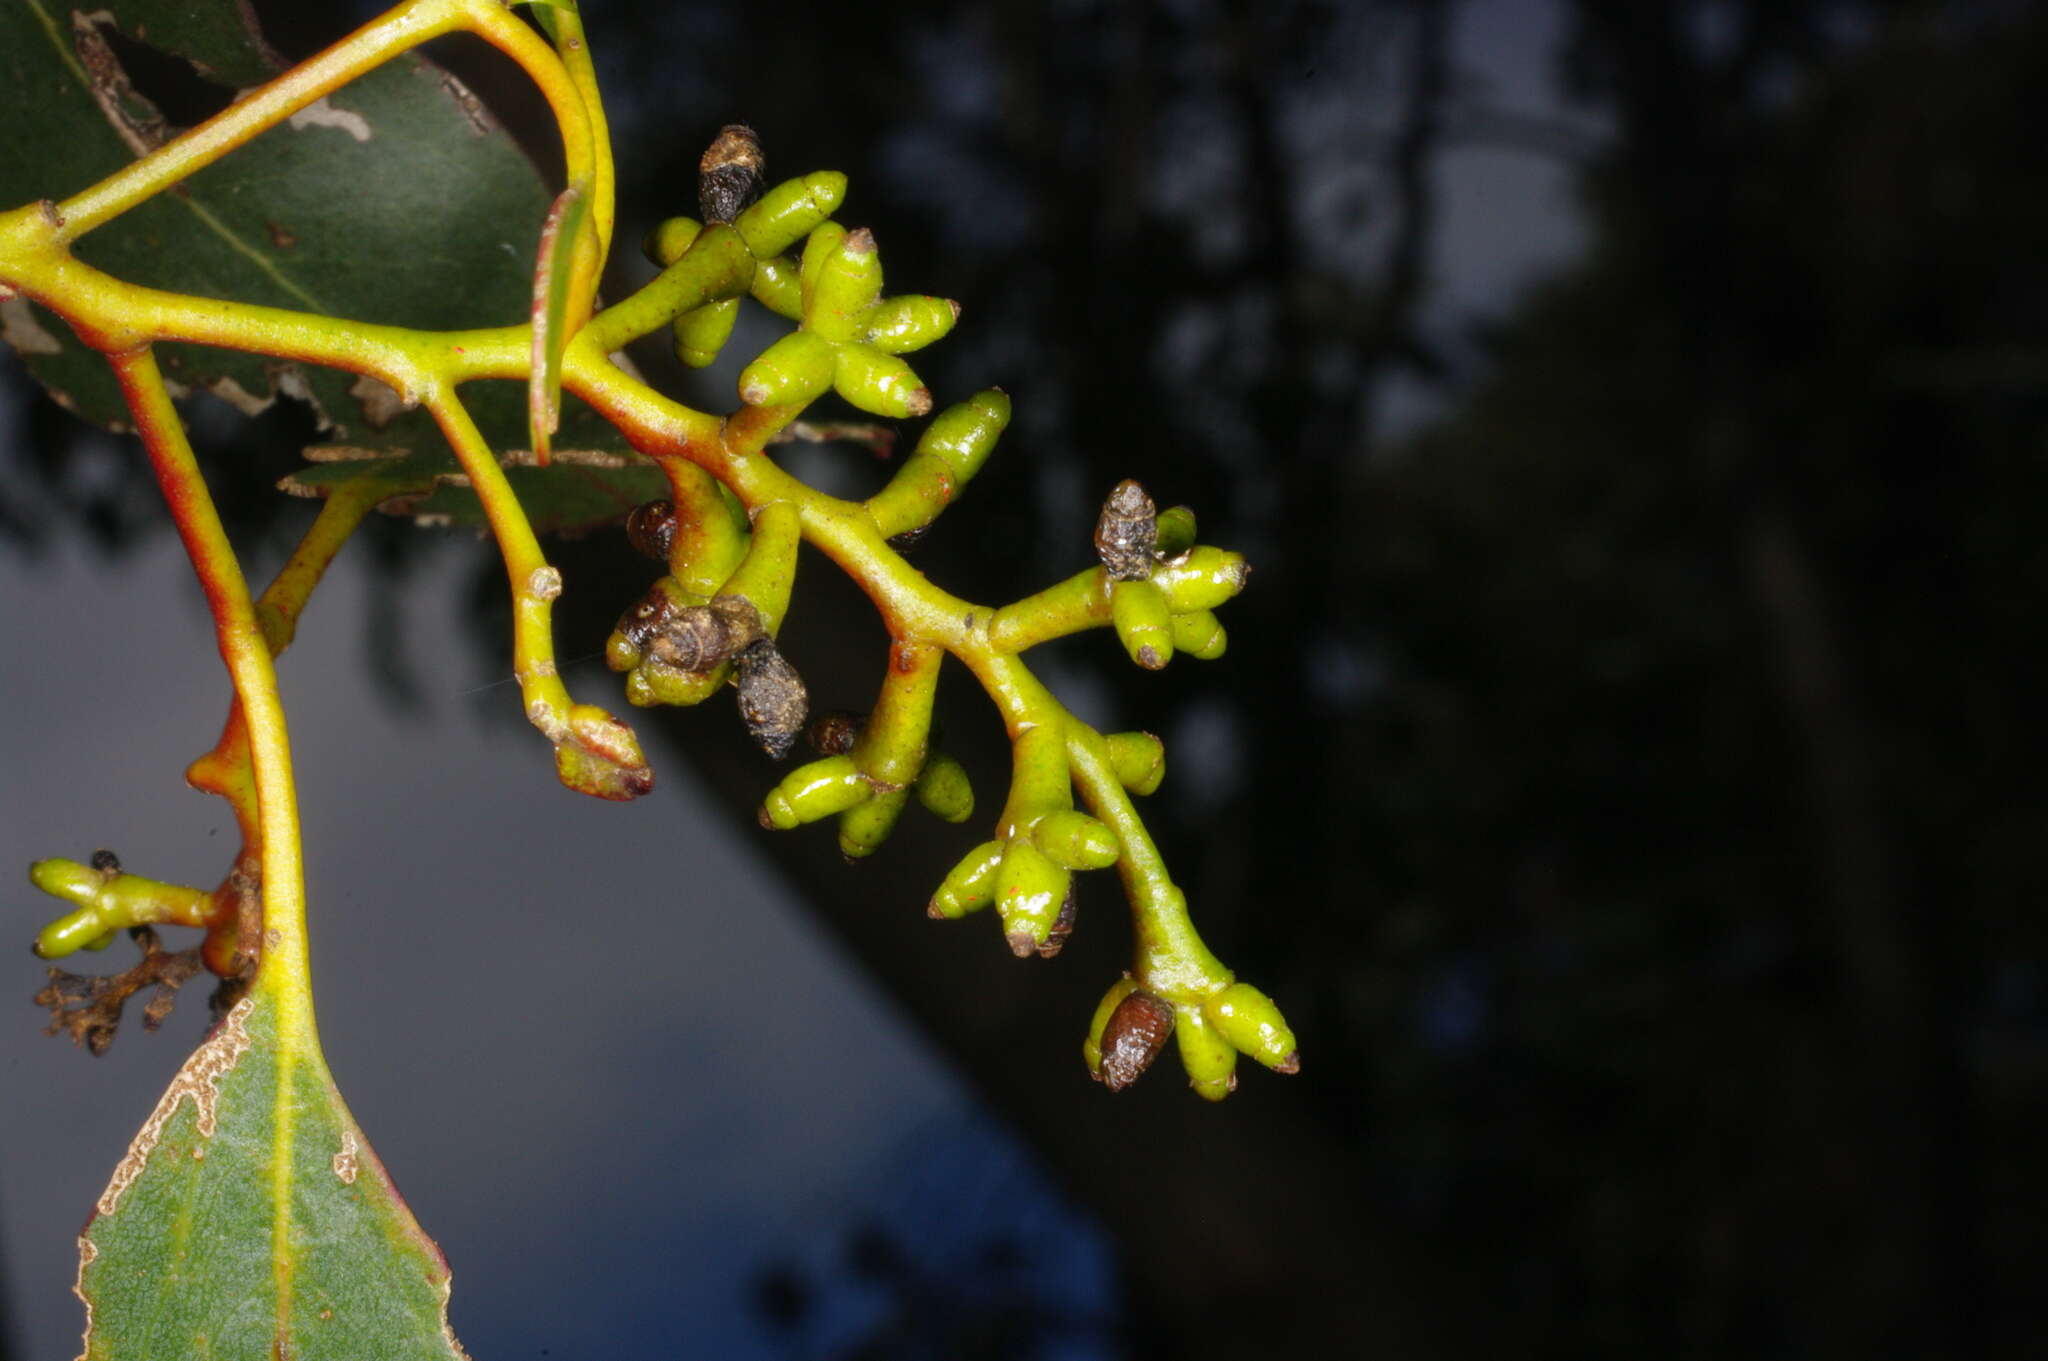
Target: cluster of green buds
(713,618)
(1132,1025)
(869,767)
(1163,590)
(679,646)
(108,902)
(849,338)
(1041,839)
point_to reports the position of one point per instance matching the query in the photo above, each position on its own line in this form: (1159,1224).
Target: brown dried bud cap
(833,732)
(1062,927)
(698,638)
(730,175)
(1127,532)
(1138,1029)
(910,538)
(772,698)
(650,616)
(651,529)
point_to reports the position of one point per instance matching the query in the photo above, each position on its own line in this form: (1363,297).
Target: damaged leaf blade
(396,199)
(250,1218)
(555,314)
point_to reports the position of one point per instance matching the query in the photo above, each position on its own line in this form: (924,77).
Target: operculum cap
(1136,1030)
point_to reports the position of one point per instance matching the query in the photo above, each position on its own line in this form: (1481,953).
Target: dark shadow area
(1625,768)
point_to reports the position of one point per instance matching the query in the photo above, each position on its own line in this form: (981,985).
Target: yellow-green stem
(534,583)
(565,26)
(283,972)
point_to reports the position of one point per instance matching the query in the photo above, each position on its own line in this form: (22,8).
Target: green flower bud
(1176,528)
(1075,841)
(75,883)
(80,930)
(1210,1060)
(671,239)
(787,212)
(910,322)
(1029,891)
(778,286)
(814,791)
(951,450)
(1248,1019)
(845,287)
(619,652)
(1201,578)
(1138,609)
(653,682)
(965,434)
(822,243)
(108,900)
(1091,1048)
(943,788)
(880,383)
(865,826)
(795,368)
(601,757)
(1199,633)
(970,885)
(1139,760)
(69,880)
(702,332)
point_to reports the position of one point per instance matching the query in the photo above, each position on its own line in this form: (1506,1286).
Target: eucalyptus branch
(727,537)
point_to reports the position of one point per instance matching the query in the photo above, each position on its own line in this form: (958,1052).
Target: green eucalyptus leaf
(396,199)
(250,1218)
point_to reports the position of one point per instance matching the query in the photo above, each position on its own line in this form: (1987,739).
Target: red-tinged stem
(283,970)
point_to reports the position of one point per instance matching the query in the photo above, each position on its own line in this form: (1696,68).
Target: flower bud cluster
(677,646)
(869,767)
(1131,1027)
(851,338)
(713,618)
(108,901)
(1162,591)
(1027,870)
(770,226)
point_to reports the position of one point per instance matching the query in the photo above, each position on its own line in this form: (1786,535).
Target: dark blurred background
(1623,770)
